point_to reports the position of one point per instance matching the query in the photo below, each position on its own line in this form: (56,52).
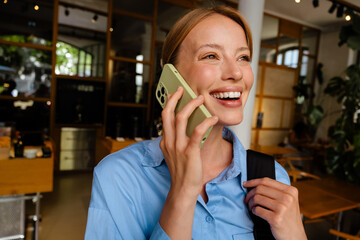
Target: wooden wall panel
(272,137)
(287,111)
(255,112)
(272,109)
(258,82)
(279,81)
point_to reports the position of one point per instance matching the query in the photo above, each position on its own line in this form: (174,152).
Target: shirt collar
(154,157)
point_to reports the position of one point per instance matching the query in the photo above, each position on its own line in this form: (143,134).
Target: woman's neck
(216,154)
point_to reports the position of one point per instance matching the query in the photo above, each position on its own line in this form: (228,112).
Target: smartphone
(170,80)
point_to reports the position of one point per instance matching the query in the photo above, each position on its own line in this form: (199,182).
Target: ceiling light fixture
(332,8)
(315,3)
(340,11)
(297,1)
(36,7)
(95,18)
(348,14)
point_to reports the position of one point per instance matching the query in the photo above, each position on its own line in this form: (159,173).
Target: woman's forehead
(213,28)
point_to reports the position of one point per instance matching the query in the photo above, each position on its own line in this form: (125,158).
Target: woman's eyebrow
(210,45)
(217,46)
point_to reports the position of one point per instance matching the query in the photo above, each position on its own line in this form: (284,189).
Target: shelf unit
(133,40)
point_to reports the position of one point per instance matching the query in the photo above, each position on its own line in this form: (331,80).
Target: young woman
(170,188)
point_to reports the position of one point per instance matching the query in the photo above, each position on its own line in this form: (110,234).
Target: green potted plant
(311,114)
(343,157)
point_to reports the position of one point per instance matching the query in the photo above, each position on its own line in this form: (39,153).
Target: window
(72,61)
(24,72)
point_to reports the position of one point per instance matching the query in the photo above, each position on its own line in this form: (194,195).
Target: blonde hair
(184,25)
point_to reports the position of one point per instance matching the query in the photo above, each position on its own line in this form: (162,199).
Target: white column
(253,11)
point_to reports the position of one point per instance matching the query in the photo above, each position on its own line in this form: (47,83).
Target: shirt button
(208,219)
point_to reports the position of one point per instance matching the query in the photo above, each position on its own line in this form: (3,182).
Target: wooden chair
(296,174)
(344,235)
(293,172)
(287,161)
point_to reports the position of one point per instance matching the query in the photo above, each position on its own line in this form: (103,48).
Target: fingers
(270,188)
(265,202)
(262,190)
(270,198)
(201,129)
(175,126)
(278,204)
(266,182)
(168,114)
(183,116)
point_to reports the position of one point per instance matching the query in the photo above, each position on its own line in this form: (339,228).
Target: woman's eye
(210,56)
(244,58)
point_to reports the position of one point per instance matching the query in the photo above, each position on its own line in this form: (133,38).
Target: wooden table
(27,176)
(108,145)
(320,198)
(317,198)
(23,175)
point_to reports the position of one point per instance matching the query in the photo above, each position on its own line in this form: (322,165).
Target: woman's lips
(228,99)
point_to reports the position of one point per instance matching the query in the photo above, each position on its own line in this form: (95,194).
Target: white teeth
(226,95)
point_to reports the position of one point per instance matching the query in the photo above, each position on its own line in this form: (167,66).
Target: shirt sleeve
(100,224)
(111,216)
(159,233)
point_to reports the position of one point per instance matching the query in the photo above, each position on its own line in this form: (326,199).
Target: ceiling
(305,13)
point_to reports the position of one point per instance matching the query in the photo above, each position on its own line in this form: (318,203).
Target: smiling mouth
(227,95)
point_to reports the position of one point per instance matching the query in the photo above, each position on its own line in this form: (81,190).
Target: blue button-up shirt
(130,187)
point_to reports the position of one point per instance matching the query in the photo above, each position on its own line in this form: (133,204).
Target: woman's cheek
(205,77)
(249,81)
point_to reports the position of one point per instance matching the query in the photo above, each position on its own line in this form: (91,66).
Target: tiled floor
(64,211)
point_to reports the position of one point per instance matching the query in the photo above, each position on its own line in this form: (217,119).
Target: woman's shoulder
(281,174)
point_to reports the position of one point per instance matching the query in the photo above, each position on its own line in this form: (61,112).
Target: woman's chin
(230,122)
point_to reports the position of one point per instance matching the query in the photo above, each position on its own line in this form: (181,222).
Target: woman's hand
(182,156)
(281,201)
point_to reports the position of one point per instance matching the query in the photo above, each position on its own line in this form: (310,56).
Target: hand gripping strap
(260,165)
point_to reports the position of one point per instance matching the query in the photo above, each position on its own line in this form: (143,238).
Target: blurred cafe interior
(78,80)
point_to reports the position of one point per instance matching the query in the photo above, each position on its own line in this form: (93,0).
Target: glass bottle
(19,146)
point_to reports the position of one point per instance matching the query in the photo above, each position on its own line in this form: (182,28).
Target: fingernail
(178,89)
(215,117)
(200,97)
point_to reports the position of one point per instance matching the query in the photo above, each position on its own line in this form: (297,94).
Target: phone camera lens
(158,93)
(163,90)
(162,99)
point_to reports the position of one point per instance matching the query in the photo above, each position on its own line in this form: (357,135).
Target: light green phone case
(169,81)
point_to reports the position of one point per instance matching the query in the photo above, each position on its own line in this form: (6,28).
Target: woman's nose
(231,70)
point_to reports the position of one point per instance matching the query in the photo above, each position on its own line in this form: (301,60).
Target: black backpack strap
(260,165)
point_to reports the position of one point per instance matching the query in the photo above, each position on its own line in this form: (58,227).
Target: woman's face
(214,60)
